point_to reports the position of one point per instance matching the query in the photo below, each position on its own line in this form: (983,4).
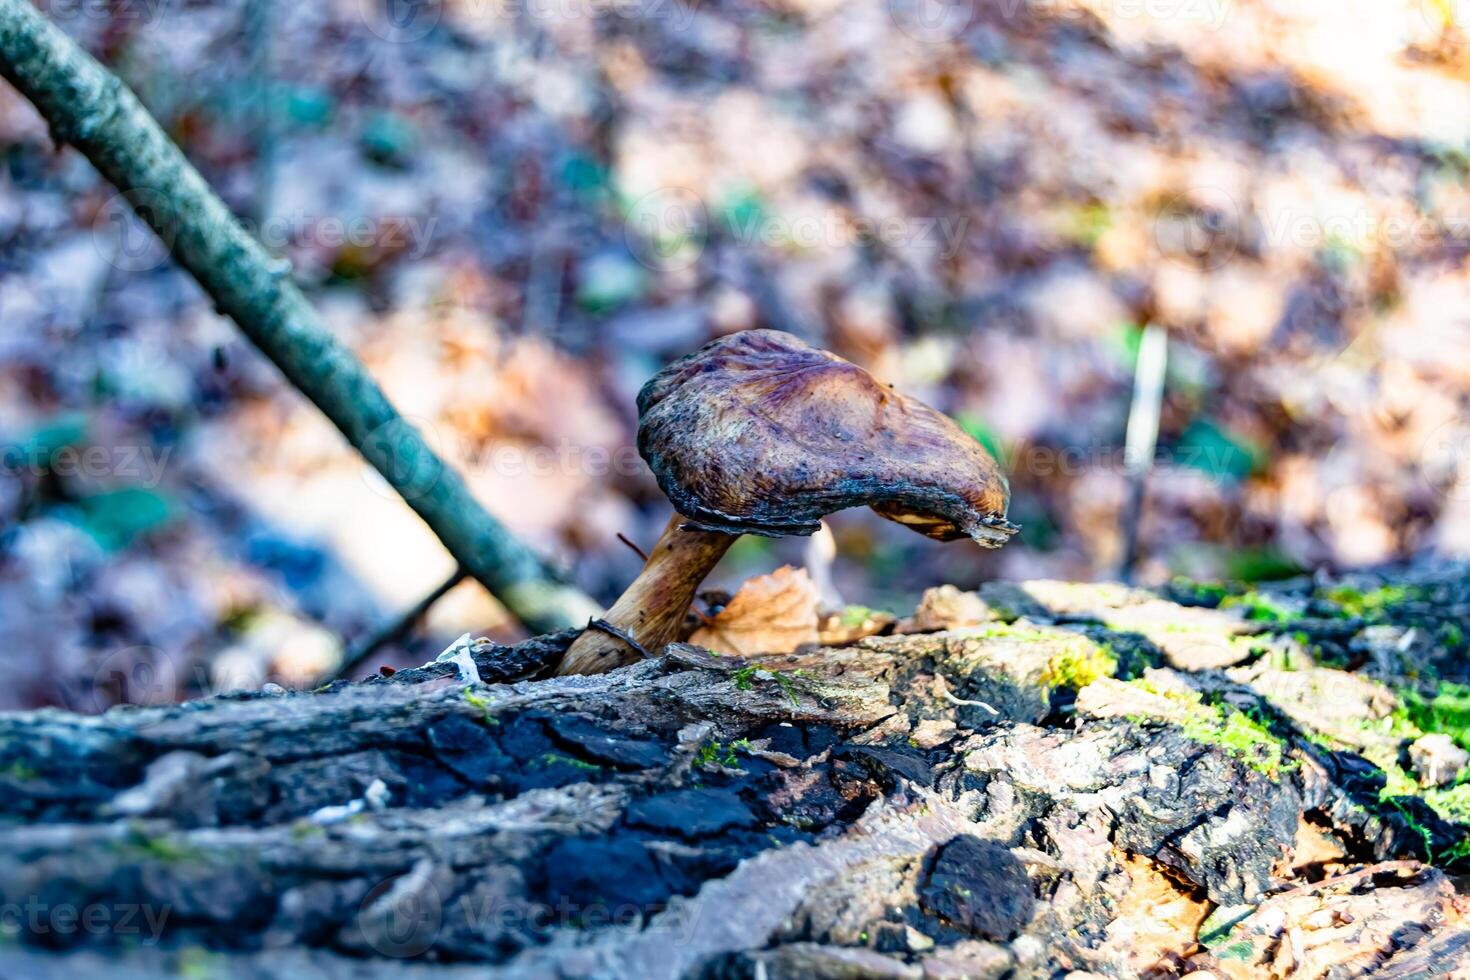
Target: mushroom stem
(652,608)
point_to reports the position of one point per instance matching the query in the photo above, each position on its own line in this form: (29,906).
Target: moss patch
(720,754)
(1078,665)
(1447,712)
(853,617)
(487,714)
(1452,804)
(1260,607)
(744,680)
(1371,605)
(1241,736)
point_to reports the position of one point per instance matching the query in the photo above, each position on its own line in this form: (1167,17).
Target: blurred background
(516,211)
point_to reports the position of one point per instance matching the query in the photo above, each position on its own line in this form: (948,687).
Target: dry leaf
(1341,926)
(1157,916)
(773,613)
(1314,848)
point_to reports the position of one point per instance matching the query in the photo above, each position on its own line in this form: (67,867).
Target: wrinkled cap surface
(761,433)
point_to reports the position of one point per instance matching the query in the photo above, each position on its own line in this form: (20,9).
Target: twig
(396,627)
(1143,435)
(974,704)
(88,107)
(603,626)
(1345,879)
(629,542)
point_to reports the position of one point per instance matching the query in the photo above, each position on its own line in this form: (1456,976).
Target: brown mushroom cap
(760,433)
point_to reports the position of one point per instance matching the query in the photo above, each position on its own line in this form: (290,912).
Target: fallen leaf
(1157,916)
(773,613)
(1348,925)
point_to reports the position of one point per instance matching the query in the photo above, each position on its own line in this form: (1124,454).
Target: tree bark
(88,107)
(843,812)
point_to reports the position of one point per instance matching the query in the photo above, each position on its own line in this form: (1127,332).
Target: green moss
(1452,804)
(487,714)
(788,686)
(1240,736)
(1413,824)
(854,616)
(198,963)
(1260,607)
(1369,605)
(1215,930)
(720,754)
(1447,712)
(165,849)
(303,830)
(1188,592)
(552,759)
(1242,950)
(1457,853)
(20,771)
(1078,665)
(1010,631)
(743,676)
(1398,781)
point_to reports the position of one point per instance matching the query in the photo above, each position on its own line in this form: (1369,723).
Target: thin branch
(603,626)
(629,542)
(1143,435)
(88,107)
(397,626)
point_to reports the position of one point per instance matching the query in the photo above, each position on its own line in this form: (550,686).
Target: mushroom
(761,433)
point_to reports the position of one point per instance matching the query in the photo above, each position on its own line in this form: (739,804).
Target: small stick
(603,626)
(1143,435)
(1345,879)
(974,704)
(396,627)
(629,542)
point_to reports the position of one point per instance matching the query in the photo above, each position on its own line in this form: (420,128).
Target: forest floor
(1027,781)
(516,212)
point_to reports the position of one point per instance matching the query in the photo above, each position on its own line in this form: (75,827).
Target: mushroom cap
(761,433)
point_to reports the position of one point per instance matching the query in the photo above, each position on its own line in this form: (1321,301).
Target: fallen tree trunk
(1164,787)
